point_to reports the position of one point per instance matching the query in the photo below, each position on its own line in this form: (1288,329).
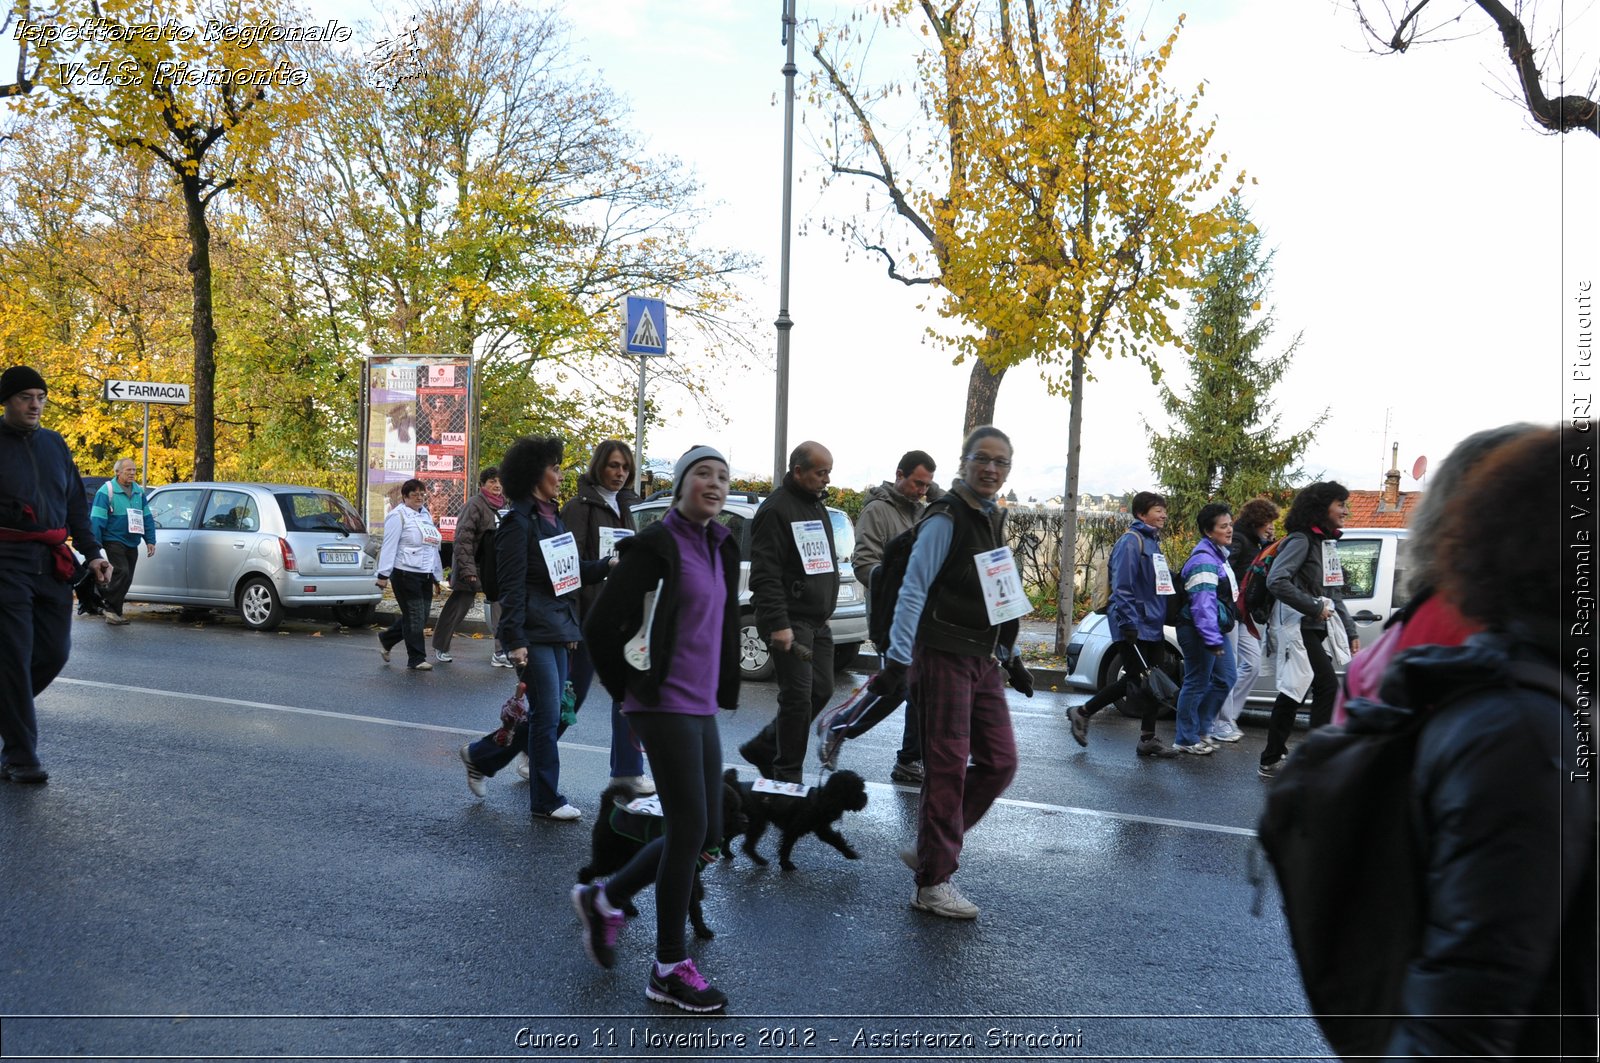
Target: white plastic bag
(1291,665)
(1338,642)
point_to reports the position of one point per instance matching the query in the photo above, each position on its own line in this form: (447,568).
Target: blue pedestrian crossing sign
(644,327)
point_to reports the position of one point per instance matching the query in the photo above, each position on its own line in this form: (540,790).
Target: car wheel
(844,657)
(259,605)
(755,660)
(355,615)
(1112,671)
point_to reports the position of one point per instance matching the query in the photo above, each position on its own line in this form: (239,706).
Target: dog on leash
(795,817)
(619,834)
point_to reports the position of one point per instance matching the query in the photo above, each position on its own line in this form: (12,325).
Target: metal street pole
(144,475)
(638,436)
(780,435)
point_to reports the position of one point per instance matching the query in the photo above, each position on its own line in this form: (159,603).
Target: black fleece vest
(955,619)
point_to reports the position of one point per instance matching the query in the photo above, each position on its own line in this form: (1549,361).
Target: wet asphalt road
(262,845)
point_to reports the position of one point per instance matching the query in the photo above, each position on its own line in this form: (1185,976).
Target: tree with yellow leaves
(201,86)
(1072,195)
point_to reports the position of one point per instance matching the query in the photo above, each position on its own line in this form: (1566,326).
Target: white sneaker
(566,813)
(522,764)
(500,660)
(425,666)
(642,785)
(441,655)
(475,777)
(1226,736)
(944,899)
(1199,749)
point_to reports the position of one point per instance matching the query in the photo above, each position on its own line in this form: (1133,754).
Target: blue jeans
(626,759)
(1207,679)
(545,674)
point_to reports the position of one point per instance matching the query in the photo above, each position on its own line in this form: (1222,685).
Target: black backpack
(884,593)
(488,563)
(1339,828)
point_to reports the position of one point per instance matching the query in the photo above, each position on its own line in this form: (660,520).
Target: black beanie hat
(19,378)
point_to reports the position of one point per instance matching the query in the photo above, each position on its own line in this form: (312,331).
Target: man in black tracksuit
(41,502)
(794,585)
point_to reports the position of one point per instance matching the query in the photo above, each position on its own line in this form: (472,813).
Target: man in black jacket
(794,585)
(41,501)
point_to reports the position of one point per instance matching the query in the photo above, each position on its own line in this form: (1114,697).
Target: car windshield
(844,535)
(318,511)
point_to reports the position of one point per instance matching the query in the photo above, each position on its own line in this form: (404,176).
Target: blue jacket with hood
(1134,601)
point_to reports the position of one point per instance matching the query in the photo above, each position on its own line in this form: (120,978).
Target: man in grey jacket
(890,509)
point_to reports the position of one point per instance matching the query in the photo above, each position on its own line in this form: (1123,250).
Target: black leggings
(1155,655)
(1324,685)
(686,757)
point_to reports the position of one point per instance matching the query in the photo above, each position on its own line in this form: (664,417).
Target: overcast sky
(1420,224)
(1429,240)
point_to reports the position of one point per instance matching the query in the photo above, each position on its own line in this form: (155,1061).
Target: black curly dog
(795,817)
(611,851)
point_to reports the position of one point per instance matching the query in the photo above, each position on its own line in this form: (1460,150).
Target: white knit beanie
(692,457)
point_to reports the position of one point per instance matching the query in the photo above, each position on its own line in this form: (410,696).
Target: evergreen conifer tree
(1224,443)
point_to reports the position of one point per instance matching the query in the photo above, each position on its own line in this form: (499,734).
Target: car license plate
(338,557)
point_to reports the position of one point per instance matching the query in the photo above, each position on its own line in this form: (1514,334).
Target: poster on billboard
(419,421)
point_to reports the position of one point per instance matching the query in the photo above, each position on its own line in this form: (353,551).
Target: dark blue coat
(1134,601)
(530,612)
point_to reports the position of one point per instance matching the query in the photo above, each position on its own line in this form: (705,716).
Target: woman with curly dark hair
(539,573)
(1306,579)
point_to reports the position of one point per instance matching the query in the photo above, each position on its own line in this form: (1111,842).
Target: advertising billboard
(419,419)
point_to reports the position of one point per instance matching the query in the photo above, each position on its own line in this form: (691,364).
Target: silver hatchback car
(261,549)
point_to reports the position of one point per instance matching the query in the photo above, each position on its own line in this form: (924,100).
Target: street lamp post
(780,435)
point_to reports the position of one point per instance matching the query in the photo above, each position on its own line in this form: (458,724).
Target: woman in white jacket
(409,562)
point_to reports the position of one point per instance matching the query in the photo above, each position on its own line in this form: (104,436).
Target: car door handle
(1366,616)
(174,542)
(238,544)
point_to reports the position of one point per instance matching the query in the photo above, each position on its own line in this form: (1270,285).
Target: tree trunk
(983,388)
(1067,588)
(205,335)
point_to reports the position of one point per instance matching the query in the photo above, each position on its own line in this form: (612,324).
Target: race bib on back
(811,539)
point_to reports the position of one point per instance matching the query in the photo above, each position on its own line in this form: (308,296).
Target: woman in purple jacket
(664,637)
(1203,626)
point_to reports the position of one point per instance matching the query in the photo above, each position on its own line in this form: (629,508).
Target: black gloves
(889,683)
(1021,678)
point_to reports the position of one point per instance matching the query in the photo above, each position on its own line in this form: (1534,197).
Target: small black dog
(611,850)
(795,817)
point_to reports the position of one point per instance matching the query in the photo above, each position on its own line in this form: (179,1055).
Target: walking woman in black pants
(664,637)
(1306,577)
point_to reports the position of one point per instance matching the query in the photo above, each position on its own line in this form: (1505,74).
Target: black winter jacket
(779,587)
(1506,812)
(530,611)
(648,559)
(37,471)
(584,515)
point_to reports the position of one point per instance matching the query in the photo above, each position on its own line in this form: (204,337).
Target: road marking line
(1038,806)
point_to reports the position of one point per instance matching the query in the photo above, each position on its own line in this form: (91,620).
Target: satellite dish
(1420,468)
